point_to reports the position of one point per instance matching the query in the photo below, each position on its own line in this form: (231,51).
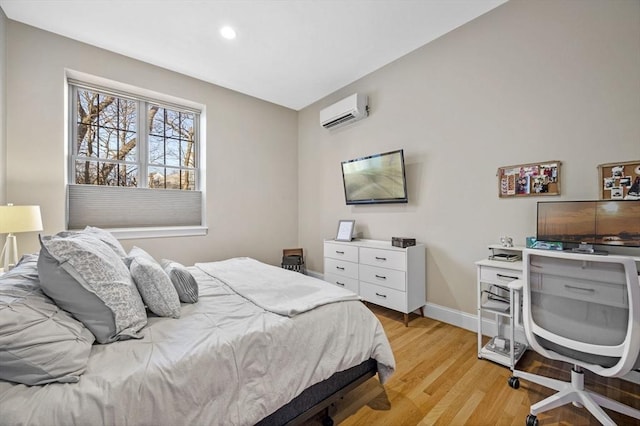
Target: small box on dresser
(379,272)
(402,242)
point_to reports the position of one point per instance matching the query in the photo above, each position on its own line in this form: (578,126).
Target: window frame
(75,81)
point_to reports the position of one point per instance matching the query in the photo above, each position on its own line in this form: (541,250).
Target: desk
(498,274)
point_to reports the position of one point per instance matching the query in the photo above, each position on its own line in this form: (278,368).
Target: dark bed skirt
(319,396)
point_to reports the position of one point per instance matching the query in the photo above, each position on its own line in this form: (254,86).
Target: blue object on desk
(548,245)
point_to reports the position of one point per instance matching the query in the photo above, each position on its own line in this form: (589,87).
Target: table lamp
(14,219)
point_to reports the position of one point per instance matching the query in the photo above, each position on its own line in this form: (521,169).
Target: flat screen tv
(378,178)
(603,222)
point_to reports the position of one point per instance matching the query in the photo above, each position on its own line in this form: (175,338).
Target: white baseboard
(455,317)
(315,274)
(467,321)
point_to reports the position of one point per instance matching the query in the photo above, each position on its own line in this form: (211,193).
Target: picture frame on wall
(532,179)
(619,181)
(345,230)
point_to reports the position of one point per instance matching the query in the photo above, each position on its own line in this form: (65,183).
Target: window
(133,160)
(172,149)
(106,139)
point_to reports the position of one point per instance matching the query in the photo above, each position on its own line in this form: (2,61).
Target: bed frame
(320,396)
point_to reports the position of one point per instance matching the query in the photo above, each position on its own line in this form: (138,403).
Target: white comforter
(274,289)
(226,361)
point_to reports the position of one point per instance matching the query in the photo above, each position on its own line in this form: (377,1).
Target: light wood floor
(440,380)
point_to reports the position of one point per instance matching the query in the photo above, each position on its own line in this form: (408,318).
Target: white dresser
(380,273)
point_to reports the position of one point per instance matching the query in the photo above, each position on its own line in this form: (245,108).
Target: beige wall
(3,88)
(251,149)
(529,81)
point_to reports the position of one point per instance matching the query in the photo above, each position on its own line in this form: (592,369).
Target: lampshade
(14,219)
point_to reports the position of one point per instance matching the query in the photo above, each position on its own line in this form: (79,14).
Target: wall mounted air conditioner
(350,109)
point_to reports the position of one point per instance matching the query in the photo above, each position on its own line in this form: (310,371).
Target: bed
(262,345)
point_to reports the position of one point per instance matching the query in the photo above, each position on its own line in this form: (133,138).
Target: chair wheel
(514,382)
(327,421)
(532,420)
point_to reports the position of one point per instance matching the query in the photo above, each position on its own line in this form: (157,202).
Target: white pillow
(107,238)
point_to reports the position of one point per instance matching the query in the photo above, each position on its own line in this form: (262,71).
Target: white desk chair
(582,309)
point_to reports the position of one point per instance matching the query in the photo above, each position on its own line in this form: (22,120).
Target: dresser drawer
(340,267)
(341,251)
(384,258)
(389,278)
(344,282)
(498,276)
(383,296)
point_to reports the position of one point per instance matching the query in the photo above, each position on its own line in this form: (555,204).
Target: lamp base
(10,251)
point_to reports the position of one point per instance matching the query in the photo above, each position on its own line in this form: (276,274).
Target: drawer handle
(339,283)
(340,268)
(506,277)
(381,258)
(381,277)
(339,252)
(571,287)
(381,295)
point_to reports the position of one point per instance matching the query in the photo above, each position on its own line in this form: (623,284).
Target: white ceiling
(289,52)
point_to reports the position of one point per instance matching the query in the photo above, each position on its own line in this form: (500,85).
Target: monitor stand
(588,249)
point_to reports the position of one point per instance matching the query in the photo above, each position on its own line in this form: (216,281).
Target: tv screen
(378,178)
(604,222)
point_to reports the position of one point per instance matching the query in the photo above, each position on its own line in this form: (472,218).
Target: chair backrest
(293,259)
(583,309)
(292,252)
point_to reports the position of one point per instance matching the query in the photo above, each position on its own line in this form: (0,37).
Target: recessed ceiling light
(228,33)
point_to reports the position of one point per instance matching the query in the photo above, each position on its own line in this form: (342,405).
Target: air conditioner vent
(339,121)
(347,110)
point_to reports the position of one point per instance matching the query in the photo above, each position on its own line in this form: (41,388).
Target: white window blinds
(122,207)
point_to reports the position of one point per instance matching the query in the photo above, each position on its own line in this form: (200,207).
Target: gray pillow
(182,280)
(88,279)
(39,342)
(107,238)
(155,287)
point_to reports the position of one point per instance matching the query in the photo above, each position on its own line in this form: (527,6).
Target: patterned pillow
(39,342)
(182,280)
(86,278)
(155,287)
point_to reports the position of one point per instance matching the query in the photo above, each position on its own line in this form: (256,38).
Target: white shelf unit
(380,273)
(494,277)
